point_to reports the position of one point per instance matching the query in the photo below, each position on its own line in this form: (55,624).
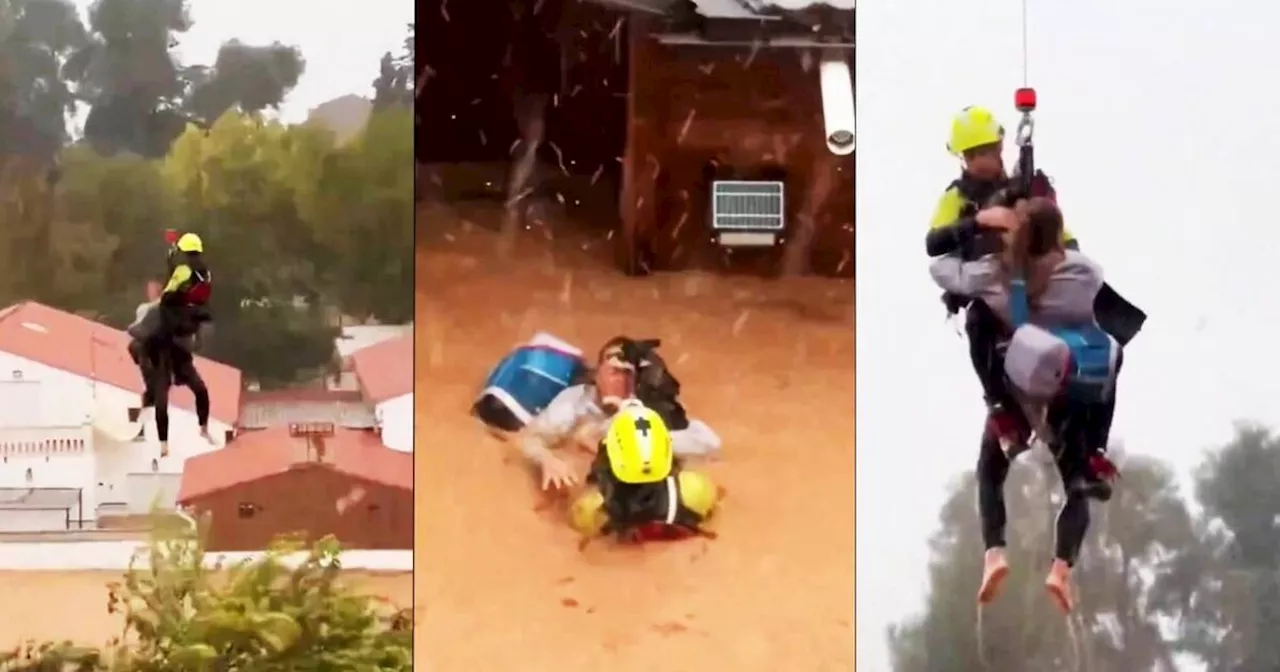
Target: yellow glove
(586,514)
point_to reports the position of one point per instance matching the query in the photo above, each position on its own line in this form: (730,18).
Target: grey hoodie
(1066,300)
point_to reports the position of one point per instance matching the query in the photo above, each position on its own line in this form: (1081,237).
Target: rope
(982,645)
(1026,75)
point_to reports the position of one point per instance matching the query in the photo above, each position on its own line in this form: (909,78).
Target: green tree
(1128,543)
(116,206)
(252,78)
(142,97)
(236,185)
(267,615)
(36,36)
(394,84)
(129,77)
(1230,593)
(362,215)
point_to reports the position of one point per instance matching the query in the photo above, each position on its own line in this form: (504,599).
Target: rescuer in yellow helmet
(638,488)
(160,332)
(964,224)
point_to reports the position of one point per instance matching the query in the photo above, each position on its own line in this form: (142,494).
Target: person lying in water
(580,415)
(638,489)
(1037,281)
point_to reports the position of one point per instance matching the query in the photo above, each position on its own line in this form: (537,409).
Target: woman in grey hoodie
(1036,280)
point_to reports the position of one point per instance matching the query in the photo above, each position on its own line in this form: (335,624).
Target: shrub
(284,612)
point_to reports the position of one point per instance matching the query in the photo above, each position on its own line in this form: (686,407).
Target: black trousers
(1077,427)
(1081,429)
(163,365)
(985,332)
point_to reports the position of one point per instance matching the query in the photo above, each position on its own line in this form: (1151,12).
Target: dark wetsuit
(157,350)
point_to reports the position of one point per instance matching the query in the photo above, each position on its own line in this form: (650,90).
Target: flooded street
(500,582)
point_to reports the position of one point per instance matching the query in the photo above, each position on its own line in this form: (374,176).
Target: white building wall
(40,402)
(33,521)
(395,416)
(149,491)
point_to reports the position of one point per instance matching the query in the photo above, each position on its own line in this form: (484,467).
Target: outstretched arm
(555,424)
(696,440)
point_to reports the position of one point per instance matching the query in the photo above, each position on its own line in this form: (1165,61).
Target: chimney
(314,436)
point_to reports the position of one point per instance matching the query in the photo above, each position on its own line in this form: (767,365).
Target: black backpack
(631,505)
(656,387)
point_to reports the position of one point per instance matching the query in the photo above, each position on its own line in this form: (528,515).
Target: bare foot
(204,434)
(164,449)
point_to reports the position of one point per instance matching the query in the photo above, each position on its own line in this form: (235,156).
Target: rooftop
(385,370)
(92,350)
(259,454)
(356,338)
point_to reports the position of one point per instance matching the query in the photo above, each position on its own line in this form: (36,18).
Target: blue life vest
(1091,369)
(526,380)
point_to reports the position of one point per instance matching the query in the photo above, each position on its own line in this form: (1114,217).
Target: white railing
(33,441)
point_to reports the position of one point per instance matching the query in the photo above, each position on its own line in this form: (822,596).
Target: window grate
(747,206)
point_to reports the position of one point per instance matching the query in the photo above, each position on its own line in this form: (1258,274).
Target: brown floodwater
(500,582)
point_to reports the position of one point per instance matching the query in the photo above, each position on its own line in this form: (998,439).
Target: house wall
(48,457)
(699,110)
(39,403)
(305,499)
(33,520)
(118,555)
(396,419)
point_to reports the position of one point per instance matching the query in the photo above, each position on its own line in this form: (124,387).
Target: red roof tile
(385,370)
(255,455)
(95,351)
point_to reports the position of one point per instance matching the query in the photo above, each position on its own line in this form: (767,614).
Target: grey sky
(1161,133)
(342,48)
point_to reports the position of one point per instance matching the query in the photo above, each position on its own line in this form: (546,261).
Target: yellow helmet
(974,127)
(190,242)
(638,445)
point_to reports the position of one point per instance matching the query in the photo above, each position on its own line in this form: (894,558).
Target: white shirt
(576,406)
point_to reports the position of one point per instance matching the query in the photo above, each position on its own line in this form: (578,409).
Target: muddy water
(500,582)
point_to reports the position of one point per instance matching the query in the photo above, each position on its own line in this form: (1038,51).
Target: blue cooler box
(526,380)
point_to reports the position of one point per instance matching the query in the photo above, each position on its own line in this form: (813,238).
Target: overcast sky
(342,48)
(1162,136)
